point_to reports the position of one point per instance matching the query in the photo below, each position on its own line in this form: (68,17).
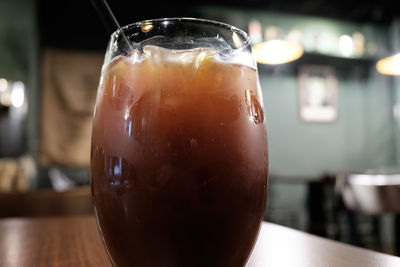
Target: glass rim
(223,25)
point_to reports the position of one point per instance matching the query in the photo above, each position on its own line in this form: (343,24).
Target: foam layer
(193,56)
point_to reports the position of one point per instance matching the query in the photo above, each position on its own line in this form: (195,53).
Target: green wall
(19,57)
(362,137)
(17,35)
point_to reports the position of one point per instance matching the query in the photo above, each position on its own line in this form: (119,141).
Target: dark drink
(179,159)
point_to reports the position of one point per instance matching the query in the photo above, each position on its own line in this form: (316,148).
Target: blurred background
(332,109)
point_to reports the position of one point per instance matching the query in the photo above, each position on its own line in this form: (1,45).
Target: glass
(179,147)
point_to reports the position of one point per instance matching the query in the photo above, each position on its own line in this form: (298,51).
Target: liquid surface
(179,159)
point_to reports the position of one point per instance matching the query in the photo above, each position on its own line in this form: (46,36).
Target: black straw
(107,16)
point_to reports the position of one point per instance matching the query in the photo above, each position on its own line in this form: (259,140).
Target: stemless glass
(179,157)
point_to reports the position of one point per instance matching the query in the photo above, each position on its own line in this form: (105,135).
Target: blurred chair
(371,193)
(37,203)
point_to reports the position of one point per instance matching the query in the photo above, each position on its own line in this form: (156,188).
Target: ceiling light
(3,84)
(274,52)
(5,99)
(18,94)
(389,65)
(346,45)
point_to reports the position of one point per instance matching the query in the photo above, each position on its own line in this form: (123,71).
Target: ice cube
(185,57)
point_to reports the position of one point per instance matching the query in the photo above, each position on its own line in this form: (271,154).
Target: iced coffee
(179,158)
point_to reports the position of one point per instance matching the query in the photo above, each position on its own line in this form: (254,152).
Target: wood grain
(51,242)
(75,241)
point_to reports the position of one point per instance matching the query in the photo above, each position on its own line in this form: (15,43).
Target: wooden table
(75,241)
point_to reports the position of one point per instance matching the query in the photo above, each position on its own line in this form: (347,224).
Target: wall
(395,47)
(18,58)
(17,36)
(362,137)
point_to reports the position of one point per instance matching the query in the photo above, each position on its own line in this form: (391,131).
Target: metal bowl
(370,193)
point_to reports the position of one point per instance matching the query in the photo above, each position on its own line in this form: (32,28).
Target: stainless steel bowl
(370,193)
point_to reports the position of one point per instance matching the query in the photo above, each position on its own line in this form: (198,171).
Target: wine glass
(179,158)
